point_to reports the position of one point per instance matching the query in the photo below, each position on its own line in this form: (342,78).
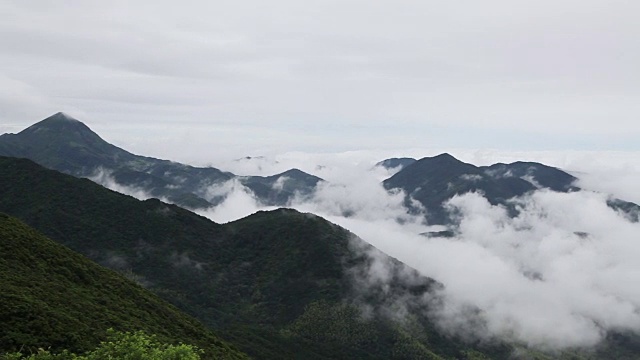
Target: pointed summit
(61,116)
(59,122)
(444,157)
(63,143)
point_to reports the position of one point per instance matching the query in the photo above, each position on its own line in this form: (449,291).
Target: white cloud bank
(561,274)
(558,275)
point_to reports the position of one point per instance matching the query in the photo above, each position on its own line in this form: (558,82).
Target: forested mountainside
(279,284)
(276,284)
(53,298)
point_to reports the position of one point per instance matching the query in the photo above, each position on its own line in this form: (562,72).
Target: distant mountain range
(434,180)
(65,144)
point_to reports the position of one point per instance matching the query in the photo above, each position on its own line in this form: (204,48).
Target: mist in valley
(561,274)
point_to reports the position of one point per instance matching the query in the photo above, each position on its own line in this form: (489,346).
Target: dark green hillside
(290,283)
(266,282)
(87,217)
(54,298)
(277,284)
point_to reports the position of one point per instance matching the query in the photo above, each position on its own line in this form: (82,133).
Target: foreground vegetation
(119,345)
(53,298)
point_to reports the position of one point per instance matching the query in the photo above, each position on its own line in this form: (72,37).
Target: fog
(560,274)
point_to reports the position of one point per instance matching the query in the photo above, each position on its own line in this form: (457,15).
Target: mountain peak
(61,116)
(58,122)
(64,143)
(445,157)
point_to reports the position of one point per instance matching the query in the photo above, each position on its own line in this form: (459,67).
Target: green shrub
(121,345)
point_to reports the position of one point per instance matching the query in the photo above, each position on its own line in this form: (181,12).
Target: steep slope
(278,284)
(54,298)
(266,282)
(63,143)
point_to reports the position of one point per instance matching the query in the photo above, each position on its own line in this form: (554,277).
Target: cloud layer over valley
(560,274)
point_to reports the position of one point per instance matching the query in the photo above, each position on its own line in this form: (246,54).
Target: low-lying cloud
(238,201)
(562,273)
(105,178)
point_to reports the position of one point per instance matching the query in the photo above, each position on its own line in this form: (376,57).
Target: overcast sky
(251,76)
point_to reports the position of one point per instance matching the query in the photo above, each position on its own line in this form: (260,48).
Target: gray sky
(247,77)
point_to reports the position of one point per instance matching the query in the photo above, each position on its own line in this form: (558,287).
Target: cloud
(279,183)
(471,177)
(561,274)
(238,202)
(105,178)
(551,277)
(183,260)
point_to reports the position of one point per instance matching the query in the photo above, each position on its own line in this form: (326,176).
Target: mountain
(280,188)
(63,143)
(434,180)
(278,284)
(55,298)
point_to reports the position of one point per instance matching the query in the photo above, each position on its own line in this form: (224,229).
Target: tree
(121,345)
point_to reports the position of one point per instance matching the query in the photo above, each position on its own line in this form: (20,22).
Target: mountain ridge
(277,284)
(63,143)
(433,180)
(264,282)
